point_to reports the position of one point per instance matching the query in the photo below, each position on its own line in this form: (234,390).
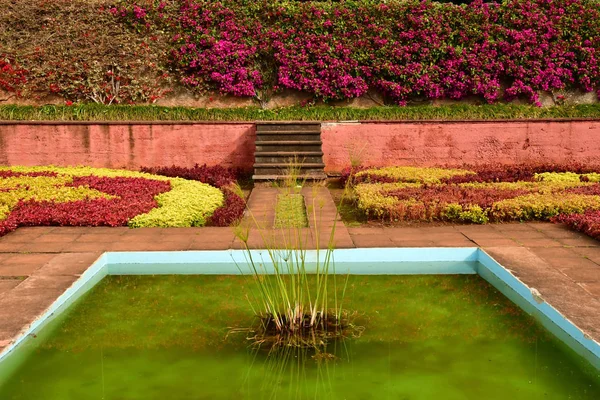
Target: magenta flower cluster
(405,49)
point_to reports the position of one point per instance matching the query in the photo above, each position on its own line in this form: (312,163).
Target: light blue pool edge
(362,261)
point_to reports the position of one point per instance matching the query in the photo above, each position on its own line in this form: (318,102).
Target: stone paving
(37,264)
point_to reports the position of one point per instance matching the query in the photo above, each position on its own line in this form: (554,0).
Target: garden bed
(482,194)
(82,196)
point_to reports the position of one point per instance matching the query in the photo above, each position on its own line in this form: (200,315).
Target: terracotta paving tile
(28,258)
(57,238)
(364,230)
(581,241)
(85,247)
(223,237)
(23,264)
(372,241)
(583,274)
(51,247)
(178,238)
(74,230)
(414,243)
(556,230)
(592,253)
(18,270)
(134,235)
(485,236)
(111,230)
(442,236)
(37,282)
(528,234)
(514,227)
(20,307)
(145,245)
(432,230)
(38,230)
(19,239)
(339,242)
(555,252)
(8,284)
(557,289)
(454,243)
(535,242)
(210,245)
(495,242)
(98,238)
(10,247)
(593,288)
(68,264)
(476,229)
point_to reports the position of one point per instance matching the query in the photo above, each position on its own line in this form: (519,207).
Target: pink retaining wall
(455,143)
(131,145)
(127,145)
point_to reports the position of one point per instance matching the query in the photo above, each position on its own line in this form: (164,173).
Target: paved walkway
(37,264)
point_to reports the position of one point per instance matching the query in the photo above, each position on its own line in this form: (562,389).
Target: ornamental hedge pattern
(478,195)
(82,196)
(137,51)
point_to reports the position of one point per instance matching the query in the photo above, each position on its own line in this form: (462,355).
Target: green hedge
(97,112)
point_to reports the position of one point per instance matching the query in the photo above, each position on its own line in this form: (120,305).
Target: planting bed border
(361,261)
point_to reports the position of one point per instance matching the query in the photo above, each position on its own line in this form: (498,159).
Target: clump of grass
(294,305)
(99,112)
(290,211)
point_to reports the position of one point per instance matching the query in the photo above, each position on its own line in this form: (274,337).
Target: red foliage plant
(592,190)
(447,194)
(217,176)
(230,212)
(134,196)
(516,173)
(588,222)
(233,208)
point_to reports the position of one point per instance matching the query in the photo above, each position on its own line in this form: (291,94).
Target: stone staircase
(280,144)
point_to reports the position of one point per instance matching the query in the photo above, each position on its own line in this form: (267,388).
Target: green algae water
(166,337)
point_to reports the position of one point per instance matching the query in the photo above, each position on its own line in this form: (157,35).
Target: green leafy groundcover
(82,196)
(478,194)
(99,112)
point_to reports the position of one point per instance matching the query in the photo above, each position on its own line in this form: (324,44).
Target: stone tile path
(37,264)
(322,220)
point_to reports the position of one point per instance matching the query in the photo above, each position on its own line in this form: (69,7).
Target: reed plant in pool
(299,302)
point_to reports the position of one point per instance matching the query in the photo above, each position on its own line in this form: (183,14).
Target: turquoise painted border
(356,261)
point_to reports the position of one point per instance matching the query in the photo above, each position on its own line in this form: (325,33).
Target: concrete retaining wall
(131,145)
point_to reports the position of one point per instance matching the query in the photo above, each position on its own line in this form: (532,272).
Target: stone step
(294,136)
(280,145)
(285,165)
(291,148)
(288,153)
(296,126)
(283,169)
(289,132)
(288,159)
(313,177)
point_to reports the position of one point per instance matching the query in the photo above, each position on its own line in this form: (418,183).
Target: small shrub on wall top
(124,51)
